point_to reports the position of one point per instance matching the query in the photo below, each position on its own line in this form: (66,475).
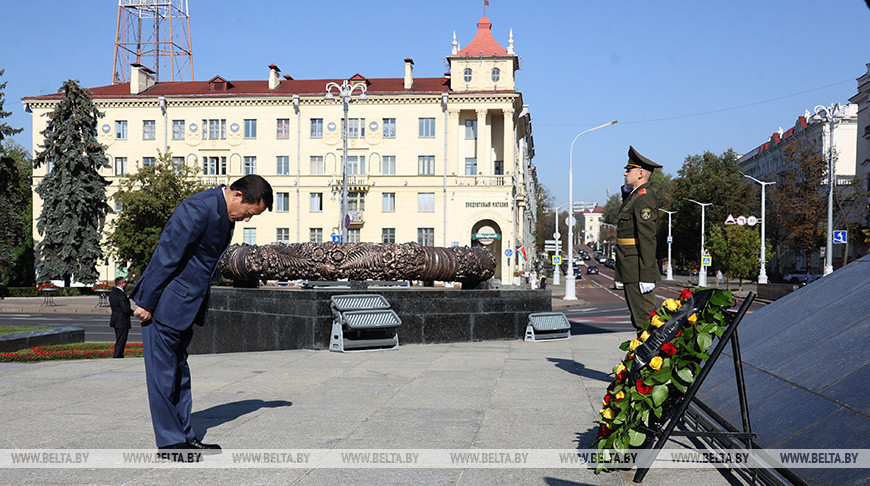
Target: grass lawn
(70,351)
(17,329)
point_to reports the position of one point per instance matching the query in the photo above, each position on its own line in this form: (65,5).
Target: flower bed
(70,351)
(637,404)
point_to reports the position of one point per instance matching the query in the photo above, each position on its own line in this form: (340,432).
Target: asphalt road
(96,326)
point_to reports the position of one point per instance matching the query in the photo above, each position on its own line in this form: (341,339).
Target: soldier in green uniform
(636,265)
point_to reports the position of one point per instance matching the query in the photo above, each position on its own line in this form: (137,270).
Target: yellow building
(440,161)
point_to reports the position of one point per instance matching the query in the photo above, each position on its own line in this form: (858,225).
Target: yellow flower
(693,319)
(620,368)
(657,321)
(619,395)
(644,335)
(672,305)
(607,413)
(656,363)
(634,344)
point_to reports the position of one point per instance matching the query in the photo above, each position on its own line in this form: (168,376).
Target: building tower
(155,34)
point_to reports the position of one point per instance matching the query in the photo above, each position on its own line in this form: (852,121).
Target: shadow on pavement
(220,414)
(579,369)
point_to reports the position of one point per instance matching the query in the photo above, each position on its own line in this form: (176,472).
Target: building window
(317,128)
(250,236)
(316,165)
(389,128)
(315,235)
(388,235)
(470,166)
(120,166)
(356,201)
(427,128)
(426,165)
(249,166)
(353,235)
(177,129)
(471,129)
(316,205)
(178,161)
(356,128)
(388,165)
(426,236)
(121,130)
(283,128)
(466,75)
(426,202)
(282,165)
(282,235)
(214,129)
(282,202)
(250,128)
(498,168)
(214,166)
(148,130)
(496,75)
(147,161)
(389,205)
(356,164)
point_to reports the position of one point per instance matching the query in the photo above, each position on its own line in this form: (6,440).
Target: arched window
(496,75)
(466,75)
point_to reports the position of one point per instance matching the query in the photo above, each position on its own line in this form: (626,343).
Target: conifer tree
(73,192)
(5,129)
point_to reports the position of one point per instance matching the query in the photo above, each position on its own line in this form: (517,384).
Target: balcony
(356,218)
(481,180)
(355,183)
(214,180)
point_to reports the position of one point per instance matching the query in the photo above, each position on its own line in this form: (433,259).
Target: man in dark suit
(121,315)
(173,294)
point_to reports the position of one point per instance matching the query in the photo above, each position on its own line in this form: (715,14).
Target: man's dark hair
(119,280)
(254,189)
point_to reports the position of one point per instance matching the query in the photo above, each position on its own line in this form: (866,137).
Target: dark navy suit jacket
(176,285)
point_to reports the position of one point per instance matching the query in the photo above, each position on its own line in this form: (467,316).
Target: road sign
(569,221)
(347,221)
(741,220)
(670,239)
(706,260)
(752,221)
(336,238)
(840,236)
(508,252)
(730,219)
(557,235)
(557,259)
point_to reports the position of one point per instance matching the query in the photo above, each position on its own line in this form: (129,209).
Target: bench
(547,326)
(363,322)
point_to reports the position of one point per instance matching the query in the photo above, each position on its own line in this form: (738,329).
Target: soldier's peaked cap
(635,159)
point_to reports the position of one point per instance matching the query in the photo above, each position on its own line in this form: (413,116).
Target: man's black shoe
(181,452)
(195,444)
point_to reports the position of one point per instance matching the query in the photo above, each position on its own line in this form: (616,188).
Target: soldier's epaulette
(641,192)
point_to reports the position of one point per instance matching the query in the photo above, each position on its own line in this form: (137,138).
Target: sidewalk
(482,395)
(86,304)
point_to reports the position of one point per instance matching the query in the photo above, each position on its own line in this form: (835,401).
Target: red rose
(607,399)
(621,376)
(685,294)
(653,314)
(603,431)
(642,388)
(669,348)
(678,333)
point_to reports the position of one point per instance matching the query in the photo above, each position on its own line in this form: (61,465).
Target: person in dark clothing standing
(121,315)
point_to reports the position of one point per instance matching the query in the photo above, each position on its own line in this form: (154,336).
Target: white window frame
(316,128)
(426,127)
(388,128)
(315,235)
(315,202)
(426,236)
(149,130)
(388,202)
(282,129)
(120,129)
(282,165)
(249,164)
(388,235)
(425,202)
(249,236)
(282,235)
(250,128)
(120,166)
(388,165)
(178,129)
(282,202)
(425,165)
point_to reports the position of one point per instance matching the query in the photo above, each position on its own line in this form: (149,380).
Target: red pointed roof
(483,43)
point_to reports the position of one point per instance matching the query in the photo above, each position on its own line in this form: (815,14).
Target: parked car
(592,270)
(801,278)
(610,263)
(602,259)
(618,285)
(578,272)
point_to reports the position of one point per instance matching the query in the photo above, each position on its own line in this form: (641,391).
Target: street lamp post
(702,273)
(556,235)
(762,274)
(670,274)
(345,92)
(570,291)
(829,114)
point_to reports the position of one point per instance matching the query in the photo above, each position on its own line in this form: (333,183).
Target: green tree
(73,192)
(736,250)
(706,178)
(147,199)
(5,129)
(16,205)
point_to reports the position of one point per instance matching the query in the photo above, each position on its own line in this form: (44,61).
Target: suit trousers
(120,341)
(167,377)
(639,305)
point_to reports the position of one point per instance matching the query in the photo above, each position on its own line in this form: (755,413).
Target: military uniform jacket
(636,237)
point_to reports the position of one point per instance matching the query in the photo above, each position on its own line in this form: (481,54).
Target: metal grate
(549,321)
(370,319)
(344,303)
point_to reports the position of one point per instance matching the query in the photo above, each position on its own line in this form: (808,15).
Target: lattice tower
(155,34)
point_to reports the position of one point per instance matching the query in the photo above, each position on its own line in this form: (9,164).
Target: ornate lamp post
(702,272)
(556,235)
(829,114)
(670,274)
(570,291)
(345,92)
(762,274)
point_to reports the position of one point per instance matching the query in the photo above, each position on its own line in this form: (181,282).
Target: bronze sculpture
(358,261)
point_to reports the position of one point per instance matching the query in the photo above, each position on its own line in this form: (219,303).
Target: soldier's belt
(626,241)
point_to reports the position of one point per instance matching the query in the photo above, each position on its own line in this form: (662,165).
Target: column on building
(482,139)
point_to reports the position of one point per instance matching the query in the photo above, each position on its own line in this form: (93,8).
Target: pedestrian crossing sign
(706,260)
(557,259)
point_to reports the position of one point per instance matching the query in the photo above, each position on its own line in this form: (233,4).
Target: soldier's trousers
(639,305)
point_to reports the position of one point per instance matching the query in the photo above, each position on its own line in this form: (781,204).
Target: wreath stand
(662,435)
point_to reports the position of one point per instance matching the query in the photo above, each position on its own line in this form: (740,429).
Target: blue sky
(682,77)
